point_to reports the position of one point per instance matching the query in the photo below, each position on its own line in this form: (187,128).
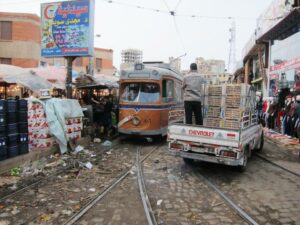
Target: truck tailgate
(205,135)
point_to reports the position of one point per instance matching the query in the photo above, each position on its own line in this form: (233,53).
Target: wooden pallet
(214,100)
(237,89)
(213,111)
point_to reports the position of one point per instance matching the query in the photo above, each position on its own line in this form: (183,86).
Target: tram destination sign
(67,28)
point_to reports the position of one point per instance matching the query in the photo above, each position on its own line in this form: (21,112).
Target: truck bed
(213,136)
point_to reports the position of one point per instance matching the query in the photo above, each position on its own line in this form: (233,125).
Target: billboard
(67,28)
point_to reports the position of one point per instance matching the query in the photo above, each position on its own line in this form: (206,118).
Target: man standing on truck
(192,85)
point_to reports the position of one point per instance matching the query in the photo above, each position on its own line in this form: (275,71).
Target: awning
(284,28)
(19,75)
(97,81)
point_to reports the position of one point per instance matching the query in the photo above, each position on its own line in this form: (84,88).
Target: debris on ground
(107,143)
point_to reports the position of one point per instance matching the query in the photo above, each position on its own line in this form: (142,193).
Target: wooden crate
(213,111)
(236,101)
(233,113)
(213,122)
(237,89)
(232,124)
(215,90)
(214,100)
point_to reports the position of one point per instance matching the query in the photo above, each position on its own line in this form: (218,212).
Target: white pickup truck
(215,145)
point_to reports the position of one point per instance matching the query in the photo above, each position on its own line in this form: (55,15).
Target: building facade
(20,39)
(130,57)
(272,57)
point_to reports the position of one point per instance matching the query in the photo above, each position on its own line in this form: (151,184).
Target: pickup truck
(216,145)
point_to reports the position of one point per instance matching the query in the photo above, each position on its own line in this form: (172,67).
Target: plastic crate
(12,128)
(23,148)
(2,106)
(23,138)
(23,127)
(2,130)
(11,117)
(3,148)
(22,105)
(11,106)
(12,140)
(22,117)
(13,151)
(2,119)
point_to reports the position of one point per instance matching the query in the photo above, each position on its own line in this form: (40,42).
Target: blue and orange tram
(148,92)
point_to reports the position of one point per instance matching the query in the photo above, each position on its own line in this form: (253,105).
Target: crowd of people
(280,114)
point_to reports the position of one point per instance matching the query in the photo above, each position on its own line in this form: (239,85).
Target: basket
(213,111)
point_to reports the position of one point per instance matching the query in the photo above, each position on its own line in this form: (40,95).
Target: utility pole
(70,60)
(232,59)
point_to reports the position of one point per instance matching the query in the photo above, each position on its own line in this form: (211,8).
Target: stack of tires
(3,147)
(23,126)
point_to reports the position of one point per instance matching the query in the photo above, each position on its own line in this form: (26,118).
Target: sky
(124,24)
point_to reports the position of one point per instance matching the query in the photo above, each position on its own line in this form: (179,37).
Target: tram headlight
(136,121)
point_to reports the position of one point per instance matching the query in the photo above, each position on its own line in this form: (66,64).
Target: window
(140,92)
(5,30)
(98,63)
(168,90)
(78,61)
(5,61)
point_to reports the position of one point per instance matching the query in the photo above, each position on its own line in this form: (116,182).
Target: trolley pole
(70,60)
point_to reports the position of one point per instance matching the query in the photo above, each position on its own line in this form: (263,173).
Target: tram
(148,92)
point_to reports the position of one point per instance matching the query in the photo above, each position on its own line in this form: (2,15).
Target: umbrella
(15,74)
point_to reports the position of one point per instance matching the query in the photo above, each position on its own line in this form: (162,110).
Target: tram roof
(152,72)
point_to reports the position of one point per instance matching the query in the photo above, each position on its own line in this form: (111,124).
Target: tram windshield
(140,92)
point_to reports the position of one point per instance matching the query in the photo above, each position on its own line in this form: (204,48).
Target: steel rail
(100,196)
(26,187)
(277,165)
(239,211)
(143,192)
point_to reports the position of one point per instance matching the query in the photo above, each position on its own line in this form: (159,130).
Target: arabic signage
(67,28)
(272,15)
(288,64)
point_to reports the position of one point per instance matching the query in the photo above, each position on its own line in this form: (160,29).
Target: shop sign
(289,64)
(272,15)
(67,28)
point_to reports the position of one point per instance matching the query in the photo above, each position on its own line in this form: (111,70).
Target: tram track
(44,179)
(104,193)
(276,165)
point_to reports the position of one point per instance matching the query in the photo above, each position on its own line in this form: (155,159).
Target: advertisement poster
(67,28)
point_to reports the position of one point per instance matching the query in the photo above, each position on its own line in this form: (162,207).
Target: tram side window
(168,91)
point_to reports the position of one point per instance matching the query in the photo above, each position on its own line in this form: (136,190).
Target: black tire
(242,168)
(188,161)
(261,146)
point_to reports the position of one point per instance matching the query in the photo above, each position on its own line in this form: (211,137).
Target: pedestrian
(192,88)
(297,112)
(108,105)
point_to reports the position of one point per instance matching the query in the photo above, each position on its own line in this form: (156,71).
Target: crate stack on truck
(229,106)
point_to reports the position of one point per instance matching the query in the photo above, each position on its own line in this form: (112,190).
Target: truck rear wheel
(242,168)
(261,144)
(188,160)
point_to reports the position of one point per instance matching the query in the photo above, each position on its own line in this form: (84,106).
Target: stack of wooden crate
(213,101)
(229,106)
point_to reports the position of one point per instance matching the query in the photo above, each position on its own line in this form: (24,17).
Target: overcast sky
(160,35)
